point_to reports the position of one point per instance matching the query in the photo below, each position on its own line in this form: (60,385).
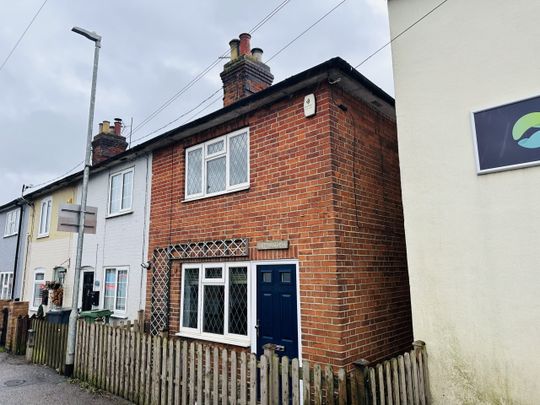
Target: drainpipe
(17,251)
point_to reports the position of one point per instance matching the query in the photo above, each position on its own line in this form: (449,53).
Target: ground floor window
(6,285)
(115,296)
(39,285)
(215,301)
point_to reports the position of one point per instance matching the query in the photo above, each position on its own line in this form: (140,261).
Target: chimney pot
(235,48)
(117,126)
(108,142)
(257,54)
(245,74)
(245,46)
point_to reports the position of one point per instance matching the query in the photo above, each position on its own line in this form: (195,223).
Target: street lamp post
(72,329)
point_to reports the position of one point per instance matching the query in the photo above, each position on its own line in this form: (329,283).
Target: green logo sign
(529,124)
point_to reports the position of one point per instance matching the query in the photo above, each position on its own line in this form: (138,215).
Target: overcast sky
(150,50)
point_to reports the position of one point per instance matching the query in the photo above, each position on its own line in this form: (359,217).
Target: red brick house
(278,218)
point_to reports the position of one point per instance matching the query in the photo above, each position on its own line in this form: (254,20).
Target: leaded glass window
(222,291)
(194,172)
(238,146)
(216,176)
(191,298)
(218,166)
(214,319)
(238,300)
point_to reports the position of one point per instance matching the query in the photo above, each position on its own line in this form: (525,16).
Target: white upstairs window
(121,192)
(45,217)
(218,166)
(12,223)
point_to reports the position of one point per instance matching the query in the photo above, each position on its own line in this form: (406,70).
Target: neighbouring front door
(277,316)
(87,290)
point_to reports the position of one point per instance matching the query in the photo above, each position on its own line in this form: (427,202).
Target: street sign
(68,218)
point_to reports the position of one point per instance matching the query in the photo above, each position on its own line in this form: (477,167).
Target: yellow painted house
(48,257)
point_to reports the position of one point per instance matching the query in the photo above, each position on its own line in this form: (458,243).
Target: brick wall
(300,188)
(371,255)
(16,309)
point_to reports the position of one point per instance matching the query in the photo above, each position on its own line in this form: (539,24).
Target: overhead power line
(29,186)
(22,36)
(306,30)
(203,73)
(179,117)
(400,34)
(272,57)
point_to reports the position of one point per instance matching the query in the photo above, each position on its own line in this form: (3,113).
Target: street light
(72,328)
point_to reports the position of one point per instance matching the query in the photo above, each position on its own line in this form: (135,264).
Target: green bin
(95,314)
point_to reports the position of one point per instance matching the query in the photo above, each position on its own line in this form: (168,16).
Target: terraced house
(13,221)
(114,255)
(278,218)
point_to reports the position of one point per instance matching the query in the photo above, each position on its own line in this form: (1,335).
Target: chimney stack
(245,74)
(108,142)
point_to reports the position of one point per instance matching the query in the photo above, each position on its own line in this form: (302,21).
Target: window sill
(10,235)
(246,187)
(119,214)
(216,338)
(119,316)
(45,235)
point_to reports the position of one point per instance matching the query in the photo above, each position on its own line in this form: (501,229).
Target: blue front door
(277,316)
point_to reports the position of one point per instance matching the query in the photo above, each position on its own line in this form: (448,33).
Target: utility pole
(72,328)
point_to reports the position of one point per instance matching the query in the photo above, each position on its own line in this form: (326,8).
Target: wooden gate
(50,344)
(3,332)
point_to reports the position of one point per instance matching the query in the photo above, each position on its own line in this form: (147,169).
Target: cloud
(150,51)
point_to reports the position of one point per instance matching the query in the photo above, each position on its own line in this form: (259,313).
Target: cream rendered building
(472,239)
(49,252)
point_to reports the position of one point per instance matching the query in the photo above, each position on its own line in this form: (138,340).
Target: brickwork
(243,77)
(16,309)
(371,253)
(105,146)
(353,278)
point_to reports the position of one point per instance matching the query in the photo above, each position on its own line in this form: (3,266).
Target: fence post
(30,345)
(269,352)
(420,346)
(362,377)
(140,318)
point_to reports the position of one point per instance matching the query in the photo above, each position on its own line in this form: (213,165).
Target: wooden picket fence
(49,346)
(401,380)
(157,370)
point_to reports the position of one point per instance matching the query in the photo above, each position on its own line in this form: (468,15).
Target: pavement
(29,384)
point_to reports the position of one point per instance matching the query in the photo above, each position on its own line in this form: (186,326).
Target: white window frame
(207,157)
(122,210)
(34,282)
(12,223)
(6,285)
(116,268)
(47,202)
(197,333)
